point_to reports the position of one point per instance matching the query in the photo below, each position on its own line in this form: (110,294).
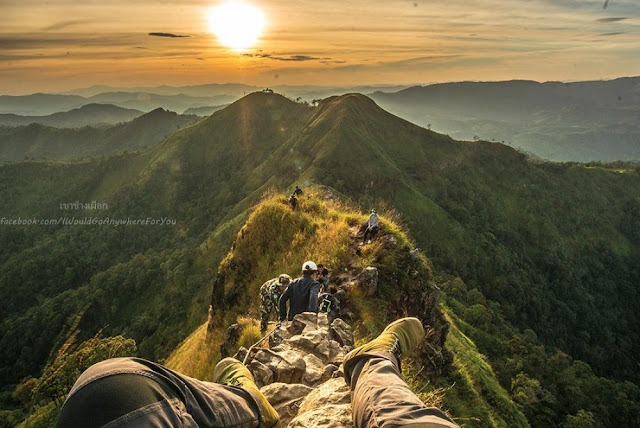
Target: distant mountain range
(582,121)
(46,104)
(36,141)
(87,115)
(177,99)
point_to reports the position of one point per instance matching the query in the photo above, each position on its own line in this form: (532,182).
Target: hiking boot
(400,338)
(232,372)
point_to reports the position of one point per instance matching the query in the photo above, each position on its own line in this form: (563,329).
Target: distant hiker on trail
(136,392)
(270,293)
(323,278)
(372,227)
(302,294)
(329,304)
(293,201)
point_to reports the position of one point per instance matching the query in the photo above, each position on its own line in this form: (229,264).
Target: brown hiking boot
(400,338)
(230,371)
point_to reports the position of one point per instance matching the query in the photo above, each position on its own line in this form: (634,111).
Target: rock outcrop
(299,371)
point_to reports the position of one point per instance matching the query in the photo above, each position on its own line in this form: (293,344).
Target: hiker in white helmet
(302,294)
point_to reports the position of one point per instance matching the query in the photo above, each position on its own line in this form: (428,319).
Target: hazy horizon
(61,46)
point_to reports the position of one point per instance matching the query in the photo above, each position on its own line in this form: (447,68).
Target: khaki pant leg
(182,401)
(380,398)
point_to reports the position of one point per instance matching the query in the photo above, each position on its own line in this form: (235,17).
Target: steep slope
(40,141)
(87,115)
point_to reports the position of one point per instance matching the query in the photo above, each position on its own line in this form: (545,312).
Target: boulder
(328,405)
(278,336)
(285,398)
(286,365)
(261,373)
(323,323)
(307,342)
(306,321)
(241,354)
(341,332)
(314,370)
(368,281)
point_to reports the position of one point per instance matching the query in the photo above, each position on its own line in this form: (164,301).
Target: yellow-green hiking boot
(400,337)
(230,371)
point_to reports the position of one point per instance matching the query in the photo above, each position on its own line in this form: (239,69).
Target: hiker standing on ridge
(323,278)
(270,293)
(302,294)
(293,199)
(372,227)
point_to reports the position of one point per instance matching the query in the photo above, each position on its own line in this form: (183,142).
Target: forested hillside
(538,261)
(37,141)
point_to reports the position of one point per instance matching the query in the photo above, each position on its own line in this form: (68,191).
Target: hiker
(293,201)
(298,191)
(139,393)
(302,294)
(329,304)
(323,278)
(270,293)
(372,227)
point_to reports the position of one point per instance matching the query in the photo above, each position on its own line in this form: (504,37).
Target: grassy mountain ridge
(275,238)
(549,247)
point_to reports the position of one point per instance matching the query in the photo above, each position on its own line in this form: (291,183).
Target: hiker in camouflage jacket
(270,293)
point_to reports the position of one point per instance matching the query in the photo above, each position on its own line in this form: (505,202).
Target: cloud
(610,34)
(170,35)
(292,58)
(611,19)
(64,24)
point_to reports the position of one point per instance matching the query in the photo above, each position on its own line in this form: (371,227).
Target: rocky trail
(299,372)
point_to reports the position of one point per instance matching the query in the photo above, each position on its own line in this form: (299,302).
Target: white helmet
(309,266)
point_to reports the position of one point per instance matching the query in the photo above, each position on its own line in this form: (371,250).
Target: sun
(236,24)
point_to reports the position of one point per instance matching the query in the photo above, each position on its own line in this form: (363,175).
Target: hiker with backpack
(302,294)
(270,293)
(138,393)
(329,304)
(373,225)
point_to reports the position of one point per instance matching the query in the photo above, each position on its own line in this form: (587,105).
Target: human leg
(265,312)
(379,395)
(137,393)
(367,231)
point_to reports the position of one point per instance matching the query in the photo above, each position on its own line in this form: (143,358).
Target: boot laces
(395,347)
(236,381)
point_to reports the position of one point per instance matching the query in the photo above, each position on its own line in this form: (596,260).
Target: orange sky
(63,44)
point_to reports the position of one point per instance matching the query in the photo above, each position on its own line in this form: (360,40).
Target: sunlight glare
(236,24)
